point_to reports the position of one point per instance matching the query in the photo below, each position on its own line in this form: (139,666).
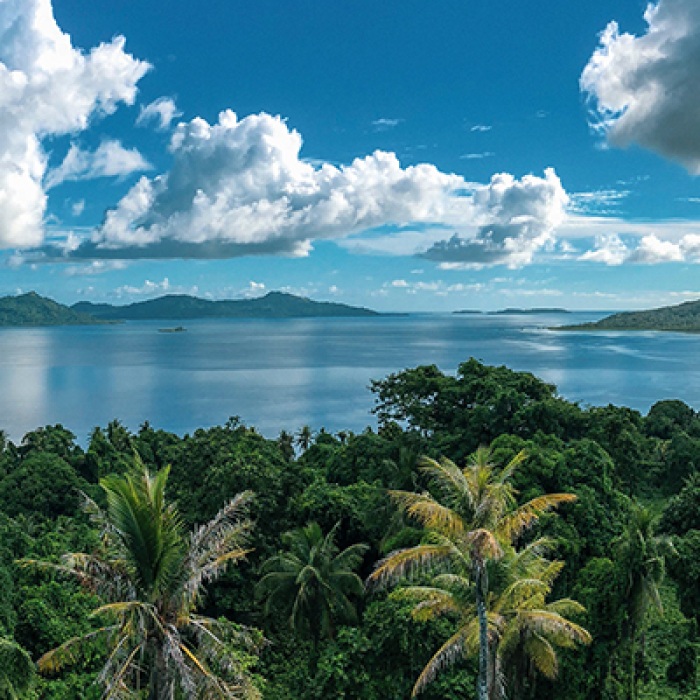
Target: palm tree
(304,438)
(151,575)
(522,625)
(313,580)
(528,626)
(470,516)
(642,553)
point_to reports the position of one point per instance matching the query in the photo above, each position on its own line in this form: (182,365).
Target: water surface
(282,374)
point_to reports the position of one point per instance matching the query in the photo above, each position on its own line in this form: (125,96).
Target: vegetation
(472,523)
(182,306)
(617,566)
(150,578)
(682,317)
(33,310)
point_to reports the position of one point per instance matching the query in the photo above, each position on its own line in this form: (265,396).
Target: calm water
(280,374)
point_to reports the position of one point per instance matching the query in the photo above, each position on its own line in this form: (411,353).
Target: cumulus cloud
(110,159)
(649,250)
(161,111)
(516,219)
(47,88)
(644,88)
(239,187)
(151,288)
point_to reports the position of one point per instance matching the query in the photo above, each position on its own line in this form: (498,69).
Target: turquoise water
(282,374)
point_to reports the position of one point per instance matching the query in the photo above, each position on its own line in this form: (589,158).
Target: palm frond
(450,652)
(429,513)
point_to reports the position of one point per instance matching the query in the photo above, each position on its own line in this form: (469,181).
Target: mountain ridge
(184,306)
(31,309)
(683,318)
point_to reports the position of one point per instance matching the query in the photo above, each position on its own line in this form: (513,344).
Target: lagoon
(284,373)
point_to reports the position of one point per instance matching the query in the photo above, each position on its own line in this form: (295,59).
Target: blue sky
(401,155)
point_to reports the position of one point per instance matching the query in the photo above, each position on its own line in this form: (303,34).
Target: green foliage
(43,484)
(313,582)
(33,310)
(17,673)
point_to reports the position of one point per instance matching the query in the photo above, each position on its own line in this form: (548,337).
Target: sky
(403,155)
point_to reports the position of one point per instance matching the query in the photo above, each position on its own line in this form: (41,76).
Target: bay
(282,374)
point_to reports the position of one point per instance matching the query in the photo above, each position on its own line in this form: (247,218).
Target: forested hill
(683,317)
(182,306)
(34,310)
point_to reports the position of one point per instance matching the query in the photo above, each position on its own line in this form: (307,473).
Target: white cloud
(644,89)
(597,201)
(47,88)
(110,159)
(162,111)
(652,250)
(386,124)
(649,250)
(481,128)
(254,289)
(437,287)
(609,250)
(516,218)
(477,156)
(150,288)
(238,187)
(77,208)
(95,267)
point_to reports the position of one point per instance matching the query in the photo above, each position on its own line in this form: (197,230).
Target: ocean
(283,374)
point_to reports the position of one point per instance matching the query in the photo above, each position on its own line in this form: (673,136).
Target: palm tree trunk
(482,688)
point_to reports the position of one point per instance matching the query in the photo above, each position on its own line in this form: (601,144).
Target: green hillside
(683,317)
(181,306)
(34,310)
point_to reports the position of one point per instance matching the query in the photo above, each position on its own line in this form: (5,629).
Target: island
(183,306)
(684,318)
(527,312)
(31,309)
(474,312)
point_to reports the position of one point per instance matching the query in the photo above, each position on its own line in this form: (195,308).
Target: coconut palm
(523,626)
(470,515)
(304,438)
(313,580)
(151,576)
(642,553)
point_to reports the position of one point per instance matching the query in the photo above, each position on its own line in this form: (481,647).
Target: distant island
(31,309)
(467,311)
(683,318)
(183,306)
(525,312)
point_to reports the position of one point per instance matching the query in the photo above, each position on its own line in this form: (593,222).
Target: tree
(470,516)
(641,553)
(524,627)
(304,438)
(151,576)
(313,580)
(16,671)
